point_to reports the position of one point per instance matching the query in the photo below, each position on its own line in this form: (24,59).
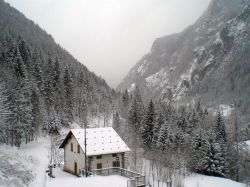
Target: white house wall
(106,160)
(71,157)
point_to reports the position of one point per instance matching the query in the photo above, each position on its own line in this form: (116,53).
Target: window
(90,158)
(116,164)
(99,157)
(99,166)
(78,148)
(71,147)
(114,155)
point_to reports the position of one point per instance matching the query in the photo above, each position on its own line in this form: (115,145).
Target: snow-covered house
(104,149)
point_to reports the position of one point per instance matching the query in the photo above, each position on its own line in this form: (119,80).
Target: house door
(76,168)
(99,166)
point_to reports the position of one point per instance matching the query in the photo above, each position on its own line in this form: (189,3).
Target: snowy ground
(64,179)
(194,180)
(248,143)
(207,181)
(25,166)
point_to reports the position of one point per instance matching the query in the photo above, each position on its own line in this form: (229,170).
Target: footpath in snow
(24,166)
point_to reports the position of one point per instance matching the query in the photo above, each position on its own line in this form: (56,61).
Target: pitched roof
(99,141)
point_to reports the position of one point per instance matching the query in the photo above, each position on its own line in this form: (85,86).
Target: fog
(110,36)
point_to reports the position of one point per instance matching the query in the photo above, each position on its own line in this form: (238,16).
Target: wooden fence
(137,177)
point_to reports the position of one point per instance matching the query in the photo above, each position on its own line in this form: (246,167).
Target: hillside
(208,61)
(42,86)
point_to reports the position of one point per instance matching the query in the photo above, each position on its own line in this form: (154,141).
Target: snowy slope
(25,166)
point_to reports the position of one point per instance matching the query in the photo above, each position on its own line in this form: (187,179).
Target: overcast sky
(110,36)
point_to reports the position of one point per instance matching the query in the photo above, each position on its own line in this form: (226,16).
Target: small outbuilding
(104,149)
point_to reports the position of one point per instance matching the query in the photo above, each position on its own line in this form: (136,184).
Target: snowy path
(24,166)
(40,150)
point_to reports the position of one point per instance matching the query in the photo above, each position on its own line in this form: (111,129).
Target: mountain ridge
(181,66)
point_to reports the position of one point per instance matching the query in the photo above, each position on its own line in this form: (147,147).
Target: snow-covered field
(67,180)
(64,179)
(207,181)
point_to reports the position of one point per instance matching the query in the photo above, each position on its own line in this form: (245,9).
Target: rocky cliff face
(209,60)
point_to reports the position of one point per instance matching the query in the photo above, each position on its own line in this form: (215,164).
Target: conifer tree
(24,51)
(136,111)
(4,114)
(37,72)
(69,101)
(116,122)
(146,129)
(125,103)
(157,127)
(220,128)
(37,115)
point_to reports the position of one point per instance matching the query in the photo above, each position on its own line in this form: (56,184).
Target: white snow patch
(220,24)
(64,179)
(188,73)
(132,87)
(210,30)
(40,150)
(237,28)
(240,26)
(248,143)
(197,30)
(218,38)
(209,61)
(208,181)
(24,166)
(142,68)
(226,110)
(159,79)
(199,50)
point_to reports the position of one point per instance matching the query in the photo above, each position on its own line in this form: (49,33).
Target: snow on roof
(100,141)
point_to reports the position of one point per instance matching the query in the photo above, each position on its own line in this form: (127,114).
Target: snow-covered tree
(159,122)
(4,114)
(69,89)
(135,115)
(208,155)
(147,126)
(116,122)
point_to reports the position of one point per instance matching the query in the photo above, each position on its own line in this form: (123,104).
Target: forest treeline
(183,137)
(38,93)
(41,84)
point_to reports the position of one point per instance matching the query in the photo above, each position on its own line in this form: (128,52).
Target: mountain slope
(43,84)
(207,61)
